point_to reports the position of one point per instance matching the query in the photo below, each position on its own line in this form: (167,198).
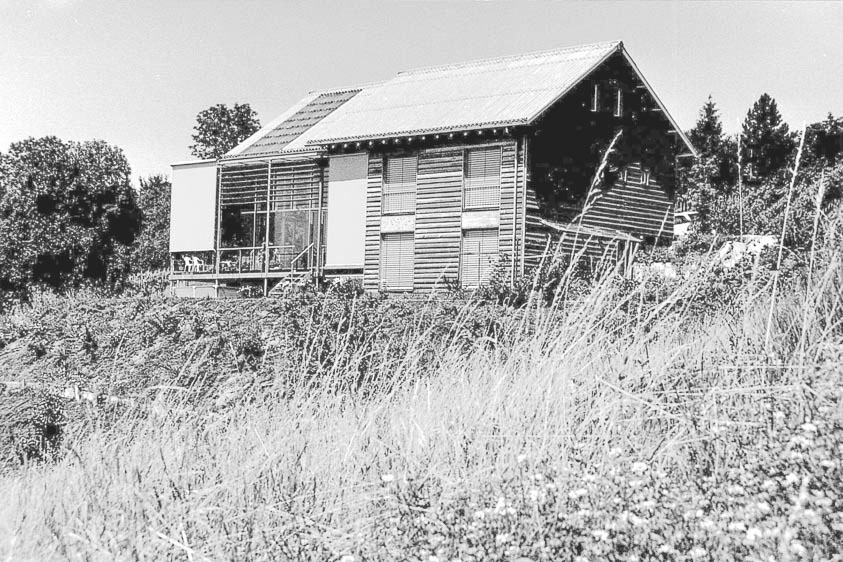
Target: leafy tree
(67,213)
(767,142)
(220,128)
(151,250)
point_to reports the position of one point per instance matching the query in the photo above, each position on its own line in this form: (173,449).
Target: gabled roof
(500,92)
(281,134)
(495,92)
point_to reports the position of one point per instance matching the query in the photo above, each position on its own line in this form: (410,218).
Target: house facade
(435,177)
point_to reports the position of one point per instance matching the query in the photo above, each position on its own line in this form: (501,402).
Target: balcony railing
(250,259)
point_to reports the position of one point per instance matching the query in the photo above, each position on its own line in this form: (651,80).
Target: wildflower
(480,514)
(433,558)
(639,467)
(798,549)
(808,427)
(502,538)
(665,549)
(753,534)
(521,459)
(763,507)
(791,479)
(576,494)
(615,452)
(600,535)
(387,478)
(347,558)
(697,552)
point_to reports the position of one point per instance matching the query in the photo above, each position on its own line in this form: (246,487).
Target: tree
(67,213)
(151,249)
(707,134)
(767,143)
(717,152)
(220,128)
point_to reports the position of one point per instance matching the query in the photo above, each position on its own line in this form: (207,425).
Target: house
(436,174)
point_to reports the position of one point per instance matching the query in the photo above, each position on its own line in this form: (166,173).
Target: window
(482,178)
(595,98)
(397,261)
(478,256)
(399,186)
(619,103)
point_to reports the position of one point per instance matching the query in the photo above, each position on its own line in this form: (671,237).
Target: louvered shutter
(478,256)
(483,178)
(399,187)
(397,260)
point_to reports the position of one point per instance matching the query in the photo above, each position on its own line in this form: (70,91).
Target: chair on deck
(199,265)
(188,264)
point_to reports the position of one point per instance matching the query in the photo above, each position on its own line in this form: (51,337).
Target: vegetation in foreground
(628,423)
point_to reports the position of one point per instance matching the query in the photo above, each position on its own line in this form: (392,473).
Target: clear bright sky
(136,73)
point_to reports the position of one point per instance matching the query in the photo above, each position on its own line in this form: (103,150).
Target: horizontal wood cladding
(438,217)
(371,267)
(510,182)
(545,244)
(631,206)
(438,212)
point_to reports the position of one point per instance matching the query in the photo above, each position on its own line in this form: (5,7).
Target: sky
(137,73)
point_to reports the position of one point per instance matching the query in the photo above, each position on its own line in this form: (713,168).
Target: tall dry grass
(395,470)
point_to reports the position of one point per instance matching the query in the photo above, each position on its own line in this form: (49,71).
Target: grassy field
(694,420)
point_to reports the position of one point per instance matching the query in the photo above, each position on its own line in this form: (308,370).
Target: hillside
(631,423)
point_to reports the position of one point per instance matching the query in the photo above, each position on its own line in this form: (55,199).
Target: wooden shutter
(397,261)
(482,178)
(399,188)
(478,256)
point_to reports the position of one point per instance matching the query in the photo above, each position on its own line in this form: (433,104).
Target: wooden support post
(266,229)
(319,225)
(218,243)
(525,163)
(514,219)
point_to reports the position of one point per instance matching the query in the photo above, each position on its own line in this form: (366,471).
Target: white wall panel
(193,206)
(346,222)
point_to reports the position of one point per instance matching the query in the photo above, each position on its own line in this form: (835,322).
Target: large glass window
(478,256)
(482,178)
(397,259)
(399,186)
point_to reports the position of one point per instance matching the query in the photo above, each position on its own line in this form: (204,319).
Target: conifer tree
(767,141)
(707,134)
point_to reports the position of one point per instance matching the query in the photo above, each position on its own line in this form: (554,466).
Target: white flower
(697,552)
(347,558)
(809,427)
(576,494)
(387,478)
(522,459)
(600,535)
(639,467)
(502,538)
(753,534)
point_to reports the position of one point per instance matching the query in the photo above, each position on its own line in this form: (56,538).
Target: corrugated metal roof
(494,92)
(278,135)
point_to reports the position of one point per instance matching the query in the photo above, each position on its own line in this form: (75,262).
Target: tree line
(70,214)
(740,184)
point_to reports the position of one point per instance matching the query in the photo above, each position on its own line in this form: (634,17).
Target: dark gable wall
(568,145)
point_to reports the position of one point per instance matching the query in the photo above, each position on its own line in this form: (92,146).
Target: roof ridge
(506,58)
(346,89)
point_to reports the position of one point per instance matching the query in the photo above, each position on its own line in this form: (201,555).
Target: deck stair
(296,279)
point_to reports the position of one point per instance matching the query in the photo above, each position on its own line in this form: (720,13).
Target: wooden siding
(438,216)
(371,268)
(510,189)
(630,206)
